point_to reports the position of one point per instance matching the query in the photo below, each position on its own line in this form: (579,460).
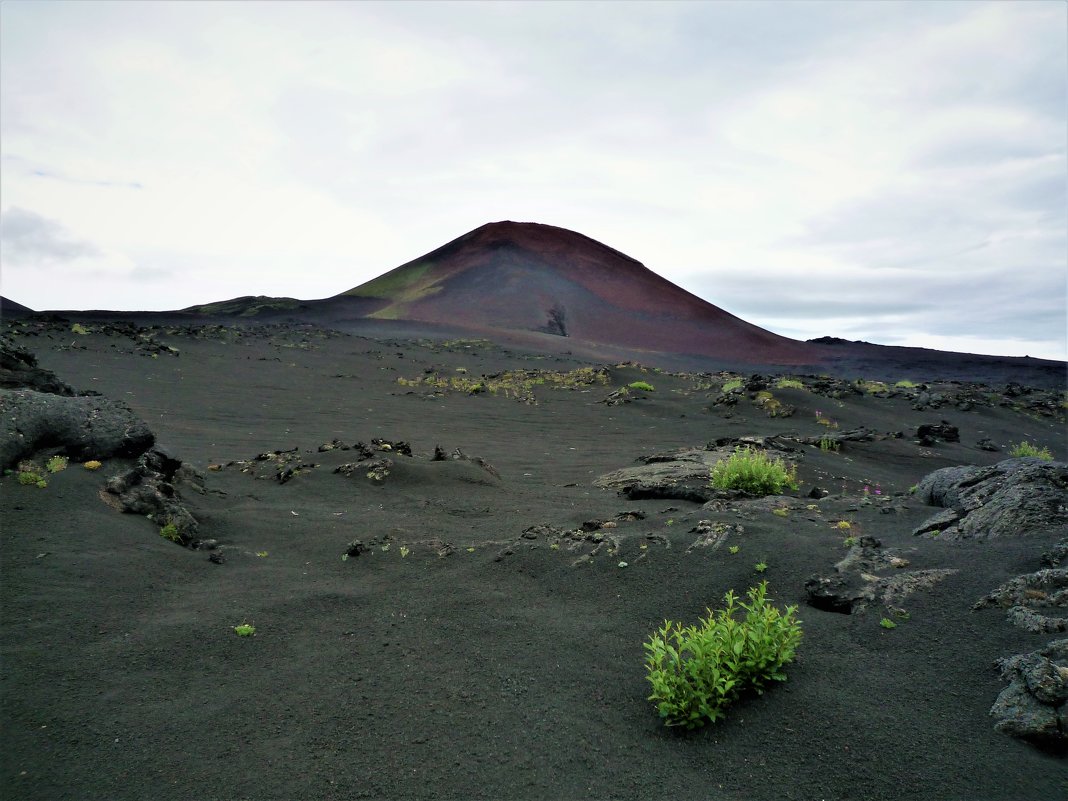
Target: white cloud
(777,158)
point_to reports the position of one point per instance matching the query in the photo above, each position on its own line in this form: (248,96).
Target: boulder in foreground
(1010,498)
(1034,706)
(89,427)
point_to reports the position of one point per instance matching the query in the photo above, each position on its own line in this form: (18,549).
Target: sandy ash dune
(452,552)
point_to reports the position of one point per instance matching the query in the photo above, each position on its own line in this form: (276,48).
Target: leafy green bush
(696,671)
(642,386)
(906,384)
(753,472)
(244,630)
(789,383)
(79,329)
(56,463)
(733,384)
(1027,449)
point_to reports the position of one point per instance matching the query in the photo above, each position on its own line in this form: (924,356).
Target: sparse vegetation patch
(753,472)
(1026,449)
(696,671)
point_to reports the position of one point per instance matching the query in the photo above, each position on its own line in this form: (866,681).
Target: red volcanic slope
(530,277)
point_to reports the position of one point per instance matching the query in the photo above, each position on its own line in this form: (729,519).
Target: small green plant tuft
(734,548)
(56,463)
(1024,449)
(781,511)
(906,384)
(733,384)
(642,386)
(696,671)
(753,472)
(79,329)
(849,542)
(828,445)
(887,623)
(244,630)
(170,532)
(789,383)
(29,478)
(92,464)
(760,567)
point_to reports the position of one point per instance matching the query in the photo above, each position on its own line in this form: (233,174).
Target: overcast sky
(893,172)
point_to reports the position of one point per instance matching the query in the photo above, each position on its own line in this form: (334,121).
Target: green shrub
(1027,449)
(789,383)
(753,472)
(79,329)
(642,386)
(696,671)
(56,463)
(906,384)
(170,532)
(245,630)
(887,623)
(871,386)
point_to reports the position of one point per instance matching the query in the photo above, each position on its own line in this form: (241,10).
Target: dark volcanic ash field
(485,641)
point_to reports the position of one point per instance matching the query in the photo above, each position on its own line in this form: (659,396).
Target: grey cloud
(28,239)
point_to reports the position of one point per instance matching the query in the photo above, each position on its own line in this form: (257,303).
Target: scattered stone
(1056,555)
(617,398)
(379,469)
(685,474)
(1045,590)
(841,593)
(987,444)
(403,448)
(854,585)
(355,548)
(280,465)
(836,438)
(930,433)
(460,456)
(713,534)
(1034,707)
(334,445)
(1011,498)
(151,489)
(19,370)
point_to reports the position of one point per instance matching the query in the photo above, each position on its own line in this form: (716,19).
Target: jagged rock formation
(1011,498)
(152,489)
(1034,706)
